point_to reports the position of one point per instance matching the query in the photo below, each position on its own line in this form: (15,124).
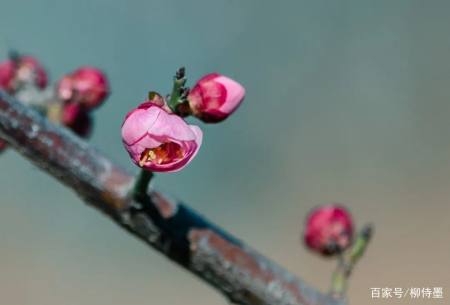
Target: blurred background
(347,101)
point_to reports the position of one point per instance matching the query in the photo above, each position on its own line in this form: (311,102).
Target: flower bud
(7,73)
(76,118)
(23,70)
(159,141)
(215,97)
(87,86)
(3,145)
(329,230)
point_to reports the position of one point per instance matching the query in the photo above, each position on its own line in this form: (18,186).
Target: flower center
(163,154)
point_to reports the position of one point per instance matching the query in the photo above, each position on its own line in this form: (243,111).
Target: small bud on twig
(215,97)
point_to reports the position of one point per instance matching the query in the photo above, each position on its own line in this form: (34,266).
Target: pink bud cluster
(80,92)
(329,230)
(159,140)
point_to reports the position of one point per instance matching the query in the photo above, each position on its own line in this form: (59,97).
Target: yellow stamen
(165,153)
(143,160)
(151,155)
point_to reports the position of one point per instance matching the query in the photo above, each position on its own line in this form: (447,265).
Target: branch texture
(181,234)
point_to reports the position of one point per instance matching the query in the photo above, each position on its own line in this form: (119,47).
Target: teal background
(347,101)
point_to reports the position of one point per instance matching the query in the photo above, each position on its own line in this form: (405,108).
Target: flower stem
(141,184)
(339,278)
(178,90)
(347,262)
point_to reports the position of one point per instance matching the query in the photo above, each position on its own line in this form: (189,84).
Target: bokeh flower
(20,71)
(87,85)
(329,230)
(77,118)
(3,145)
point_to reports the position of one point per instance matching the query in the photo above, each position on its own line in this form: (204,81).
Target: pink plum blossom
(214,97)
(25,69)
(87,85)
(329,229)
(159,141)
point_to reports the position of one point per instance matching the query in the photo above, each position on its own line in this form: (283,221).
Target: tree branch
(178,232)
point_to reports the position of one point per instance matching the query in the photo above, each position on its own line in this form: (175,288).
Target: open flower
(215,97)
(87,86)
(329,230)
(159,141)
(23,70)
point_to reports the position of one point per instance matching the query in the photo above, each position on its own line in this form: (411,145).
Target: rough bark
(178,232)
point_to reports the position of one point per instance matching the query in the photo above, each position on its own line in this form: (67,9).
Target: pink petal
(171,126)
(235,94)
(138,123)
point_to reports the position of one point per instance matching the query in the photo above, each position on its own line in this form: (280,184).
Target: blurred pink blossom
(329,229)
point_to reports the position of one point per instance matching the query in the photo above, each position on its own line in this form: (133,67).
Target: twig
(178,232)
(347,262)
